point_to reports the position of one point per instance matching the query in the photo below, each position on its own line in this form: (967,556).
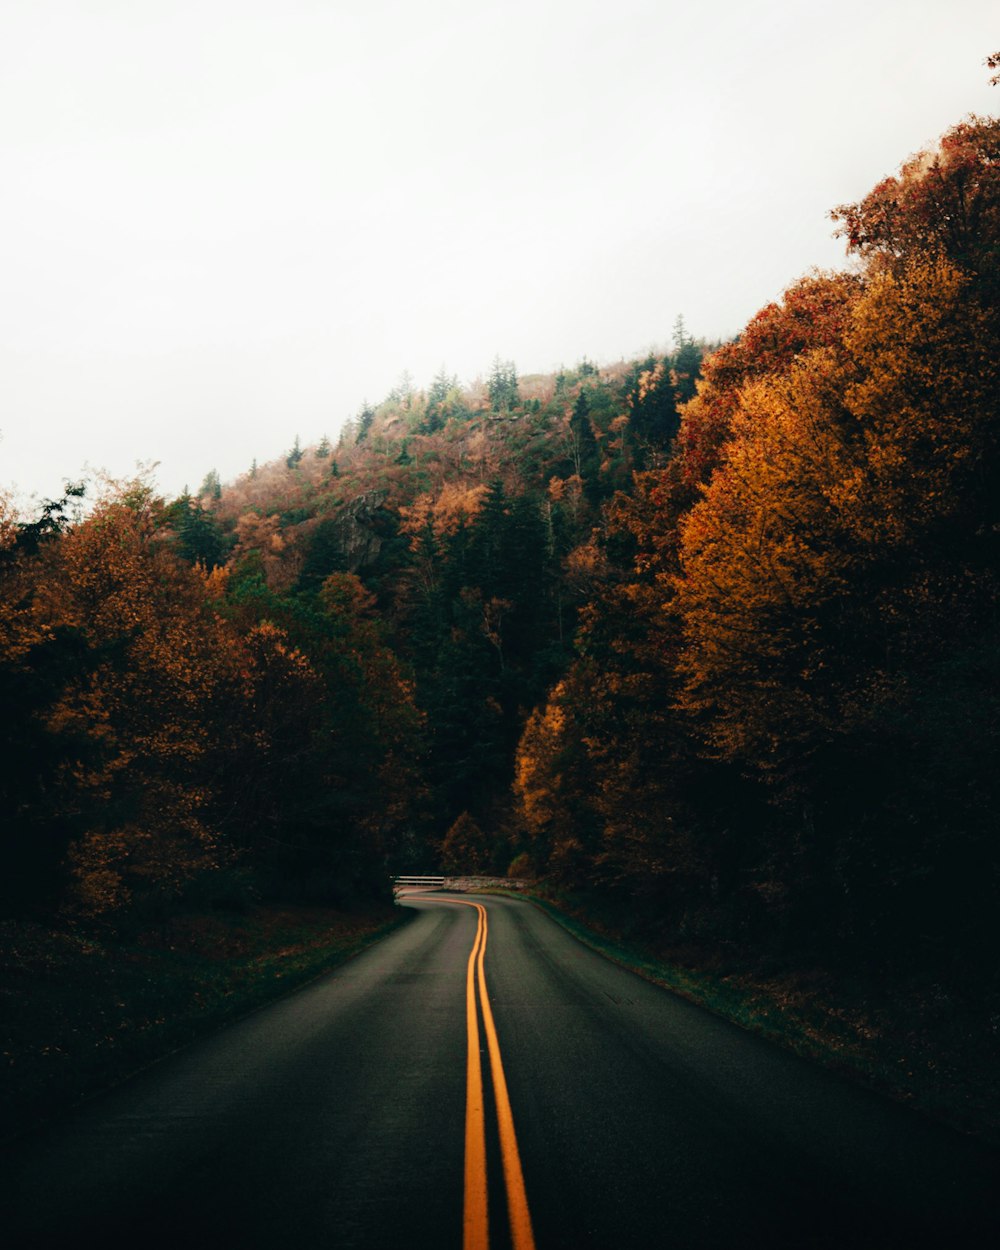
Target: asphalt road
(339,1117)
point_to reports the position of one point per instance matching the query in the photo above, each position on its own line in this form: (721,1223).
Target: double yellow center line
(475,1217)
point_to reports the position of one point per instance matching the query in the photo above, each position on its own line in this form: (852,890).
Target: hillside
(470,516)
(705,642)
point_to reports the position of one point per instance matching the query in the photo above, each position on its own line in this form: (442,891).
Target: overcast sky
(227,222)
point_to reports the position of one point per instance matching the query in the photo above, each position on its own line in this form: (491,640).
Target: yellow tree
(837,466)
(811,314)
(548,783)
(841,558)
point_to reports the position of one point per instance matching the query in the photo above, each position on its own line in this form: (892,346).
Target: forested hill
(715,630)
(460,523)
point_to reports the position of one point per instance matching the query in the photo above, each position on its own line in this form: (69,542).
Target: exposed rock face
(354,533)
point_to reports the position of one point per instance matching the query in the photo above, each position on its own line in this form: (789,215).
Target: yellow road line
(475,1226)
(517,1199)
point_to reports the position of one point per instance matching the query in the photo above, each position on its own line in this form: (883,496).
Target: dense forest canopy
(716,629)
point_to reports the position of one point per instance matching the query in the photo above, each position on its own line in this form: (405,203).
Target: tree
(365,418)
(552,784)
(440,387)
(811,314)
(840,556)
(943,203)
(295,455)
(333,740)
(141,705)
(39,651)
(465,848)
(200,539)
(583,444)
(652,407)
(211,486)
(685,364)
(443,401)
(402,392)
(502,387)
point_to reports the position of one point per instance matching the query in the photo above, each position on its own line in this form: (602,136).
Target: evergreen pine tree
(502,386)
(200,539)
(685,363)
(365,418)
(211,486)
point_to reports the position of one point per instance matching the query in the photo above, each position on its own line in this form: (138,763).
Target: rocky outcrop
(352,531)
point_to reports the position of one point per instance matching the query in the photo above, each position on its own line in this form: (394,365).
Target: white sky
(227,222)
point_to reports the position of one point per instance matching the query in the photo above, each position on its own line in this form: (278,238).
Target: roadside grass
(914,1039)
(80,1011)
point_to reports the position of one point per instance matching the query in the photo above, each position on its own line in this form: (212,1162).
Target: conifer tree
(211,486)
(585,450)
(365,418)
(502,387)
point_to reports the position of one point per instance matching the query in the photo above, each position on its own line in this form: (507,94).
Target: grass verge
(915,1039)
(81,1011)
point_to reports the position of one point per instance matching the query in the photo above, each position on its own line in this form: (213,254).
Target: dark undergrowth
(80,1010)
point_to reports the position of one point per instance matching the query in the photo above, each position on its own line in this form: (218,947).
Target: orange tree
(157,661)
(944,202)
(37,656)
(839,562)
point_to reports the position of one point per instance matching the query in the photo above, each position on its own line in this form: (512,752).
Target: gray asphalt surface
(335,1118)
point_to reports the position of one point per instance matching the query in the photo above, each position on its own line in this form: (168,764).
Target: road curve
(339,1117)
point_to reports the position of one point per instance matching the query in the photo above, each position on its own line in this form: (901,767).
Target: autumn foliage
(177,733)
(715,630)
(942,203)
(785,703)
